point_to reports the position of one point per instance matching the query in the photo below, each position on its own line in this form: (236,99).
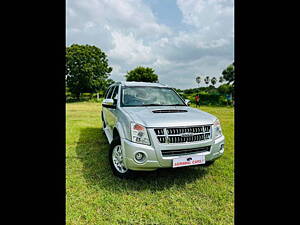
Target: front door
(112,111)
(105,108)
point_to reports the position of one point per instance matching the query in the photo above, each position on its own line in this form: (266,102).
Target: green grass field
(187,195)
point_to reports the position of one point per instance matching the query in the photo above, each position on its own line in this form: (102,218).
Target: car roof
(141,84)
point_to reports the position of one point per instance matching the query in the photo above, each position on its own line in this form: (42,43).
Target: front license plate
(189,161)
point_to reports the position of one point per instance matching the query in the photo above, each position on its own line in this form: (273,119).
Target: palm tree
(206,80)
(213,81)
(229,74)
(221,79)
(198,80)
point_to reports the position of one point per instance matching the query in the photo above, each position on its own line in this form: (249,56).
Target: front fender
(123,133)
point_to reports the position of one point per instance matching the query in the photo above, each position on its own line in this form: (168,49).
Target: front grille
(183,134)
(179,152)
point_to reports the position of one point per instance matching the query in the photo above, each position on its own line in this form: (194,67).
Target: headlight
(139,134)
(217,129)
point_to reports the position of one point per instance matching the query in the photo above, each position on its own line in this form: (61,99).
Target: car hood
(146,116)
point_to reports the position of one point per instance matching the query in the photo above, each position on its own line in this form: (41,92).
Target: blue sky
(180,39)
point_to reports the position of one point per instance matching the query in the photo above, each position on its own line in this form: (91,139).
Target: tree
(177,90)
(225,89)
(221,79)
(213,81)
(198,80)
(142,74)
(110,82)
(206,80)
(107,83)
(86,69)
(228,74)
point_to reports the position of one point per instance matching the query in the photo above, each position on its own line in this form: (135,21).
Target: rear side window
(115,93)
(109,92)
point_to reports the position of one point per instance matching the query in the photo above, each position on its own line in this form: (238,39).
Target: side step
(108,135)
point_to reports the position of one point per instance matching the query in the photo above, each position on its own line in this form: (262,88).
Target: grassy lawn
(188,195)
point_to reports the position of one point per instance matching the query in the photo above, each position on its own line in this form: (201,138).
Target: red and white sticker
(189,161)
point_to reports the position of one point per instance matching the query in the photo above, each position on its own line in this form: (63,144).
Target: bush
(225,89)
(209,98)
(68,94)
(86,96)
(96,100)
(70,97)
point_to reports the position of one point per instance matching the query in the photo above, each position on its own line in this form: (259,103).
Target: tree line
(88,71)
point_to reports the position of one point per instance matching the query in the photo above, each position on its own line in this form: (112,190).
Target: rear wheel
(116,160)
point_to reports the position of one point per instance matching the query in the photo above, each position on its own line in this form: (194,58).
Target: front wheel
(208,163)
(116,160)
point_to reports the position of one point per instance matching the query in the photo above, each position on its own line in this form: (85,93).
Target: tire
(208,163)
(115,152)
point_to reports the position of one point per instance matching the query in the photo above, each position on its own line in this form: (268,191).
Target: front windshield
(150,96)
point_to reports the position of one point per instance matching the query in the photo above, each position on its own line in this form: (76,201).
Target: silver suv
(149,126)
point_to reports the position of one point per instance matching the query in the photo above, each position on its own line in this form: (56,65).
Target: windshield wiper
(152,105)
(176,105)
(163,105)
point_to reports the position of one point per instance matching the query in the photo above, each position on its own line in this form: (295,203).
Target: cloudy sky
(180,39)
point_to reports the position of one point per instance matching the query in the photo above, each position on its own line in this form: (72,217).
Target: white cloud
(130,34)
(123,15)
(202,13)
(212,19)
(129,50)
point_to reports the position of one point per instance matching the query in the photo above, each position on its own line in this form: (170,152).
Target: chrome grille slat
(174,135)
(179,152)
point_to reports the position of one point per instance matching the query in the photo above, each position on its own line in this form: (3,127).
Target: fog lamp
(140,156)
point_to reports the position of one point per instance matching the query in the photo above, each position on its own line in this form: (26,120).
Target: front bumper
(155,159)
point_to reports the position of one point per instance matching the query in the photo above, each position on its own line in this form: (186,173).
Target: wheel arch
(118,131)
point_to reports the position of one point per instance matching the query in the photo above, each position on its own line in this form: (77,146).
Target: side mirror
(187,101)
(108,102)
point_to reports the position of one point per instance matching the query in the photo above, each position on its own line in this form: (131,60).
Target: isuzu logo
(184,135)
